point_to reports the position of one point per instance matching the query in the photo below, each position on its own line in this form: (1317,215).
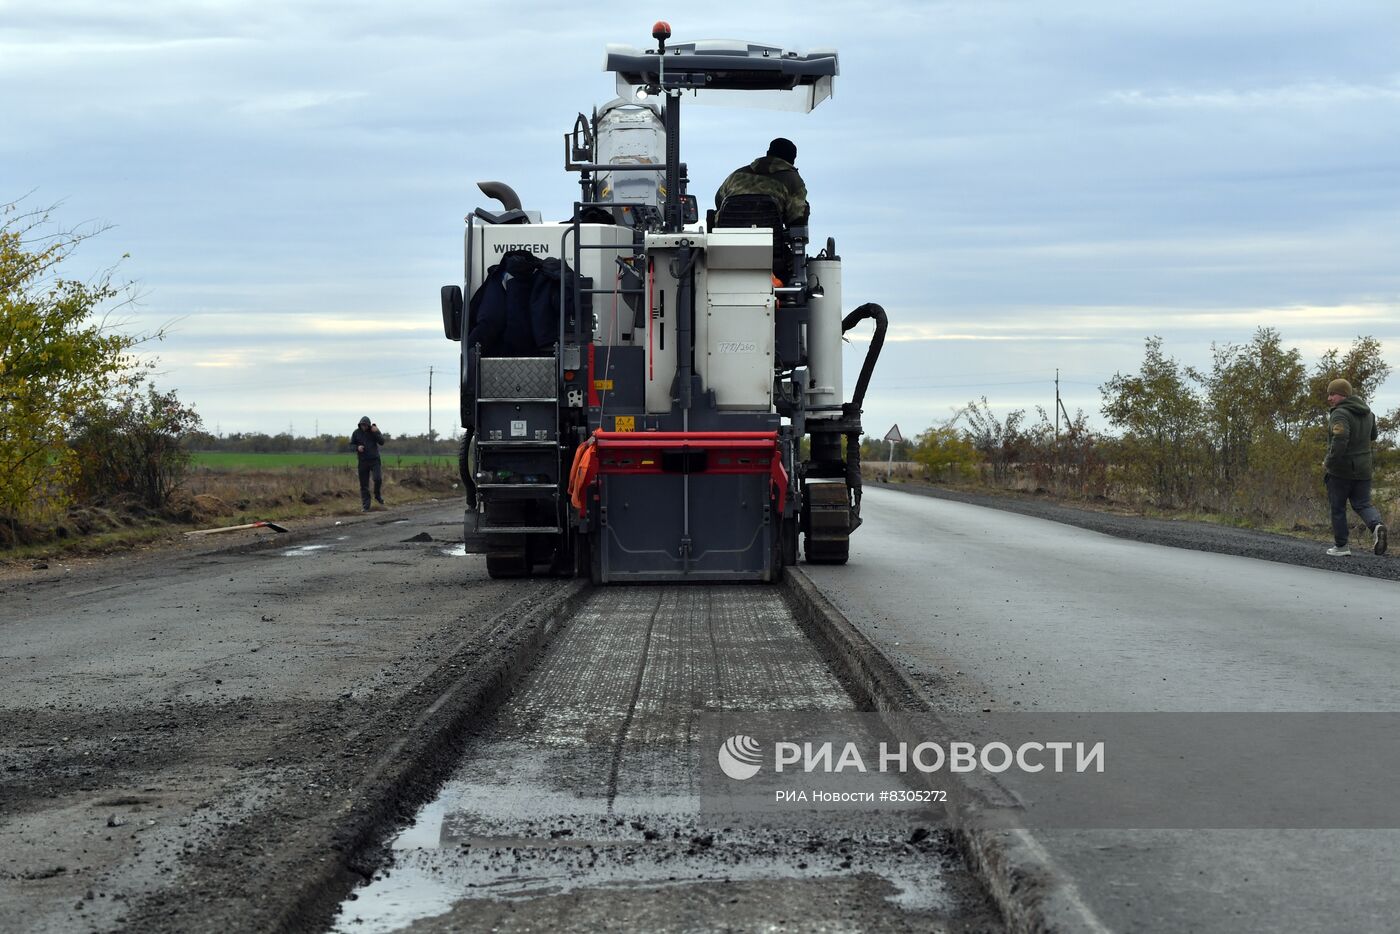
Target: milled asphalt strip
(1035,896)
(632,704)
(410,771)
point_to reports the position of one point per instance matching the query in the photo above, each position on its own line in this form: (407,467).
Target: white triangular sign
(894,435)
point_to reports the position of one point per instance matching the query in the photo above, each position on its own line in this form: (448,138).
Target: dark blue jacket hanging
(515,311)
(550,278)
(498,317)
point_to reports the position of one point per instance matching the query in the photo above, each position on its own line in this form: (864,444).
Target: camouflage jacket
(769,175)
(1351,427)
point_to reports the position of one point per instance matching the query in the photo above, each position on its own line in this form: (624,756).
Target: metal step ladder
(517,419)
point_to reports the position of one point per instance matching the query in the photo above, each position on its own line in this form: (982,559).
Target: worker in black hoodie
(1351,427)
(365,442)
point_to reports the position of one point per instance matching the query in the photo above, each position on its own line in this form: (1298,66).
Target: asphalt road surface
(579,807)
(992,610)
(179,729)
(192,739)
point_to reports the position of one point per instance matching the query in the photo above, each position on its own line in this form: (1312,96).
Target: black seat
(760,211)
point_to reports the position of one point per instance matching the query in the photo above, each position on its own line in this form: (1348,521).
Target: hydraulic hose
(852,408)
(868,310)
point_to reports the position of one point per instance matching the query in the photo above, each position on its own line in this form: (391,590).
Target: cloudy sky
(1024,186)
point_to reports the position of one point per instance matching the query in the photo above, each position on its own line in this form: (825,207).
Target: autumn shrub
(134,445)
(58,357)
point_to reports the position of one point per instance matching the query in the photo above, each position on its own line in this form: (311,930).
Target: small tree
(945,453)
(135,445)
(1162,421)
(56,359)
(1256,399)
(1362,366)
(1000,443)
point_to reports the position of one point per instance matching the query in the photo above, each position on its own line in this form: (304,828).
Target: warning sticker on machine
(624,423)
(517,428)
(603,385)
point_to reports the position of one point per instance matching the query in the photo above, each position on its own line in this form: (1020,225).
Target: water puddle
(301,551)
(459,550)
(472,844)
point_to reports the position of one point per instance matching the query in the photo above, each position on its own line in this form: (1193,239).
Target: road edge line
(1033,894)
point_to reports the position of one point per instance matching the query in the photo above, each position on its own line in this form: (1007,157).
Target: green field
(235,460)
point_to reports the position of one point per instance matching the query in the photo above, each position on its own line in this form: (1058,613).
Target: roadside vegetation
(95,456)
(1241,443)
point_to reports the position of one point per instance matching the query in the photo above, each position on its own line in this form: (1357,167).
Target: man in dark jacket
(1351,428)
(774,174)
(366,442)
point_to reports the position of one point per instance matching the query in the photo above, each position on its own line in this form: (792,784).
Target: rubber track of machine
(828,536)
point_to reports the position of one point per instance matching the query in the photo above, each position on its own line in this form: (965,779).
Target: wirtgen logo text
(741,758)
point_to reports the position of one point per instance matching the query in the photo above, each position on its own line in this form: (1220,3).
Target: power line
(976,386)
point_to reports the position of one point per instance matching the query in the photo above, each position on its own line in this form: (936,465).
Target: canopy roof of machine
(714,68)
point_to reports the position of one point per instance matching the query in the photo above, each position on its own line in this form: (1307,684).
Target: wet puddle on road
(459,550)
(586,786)
(301,551)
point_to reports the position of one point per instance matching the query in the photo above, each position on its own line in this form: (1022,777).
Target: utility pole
(430,410)
(1069,423)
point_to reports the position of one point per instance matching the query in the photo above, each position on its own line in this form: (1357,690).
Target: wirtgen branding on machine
(500,249)
(1054,770)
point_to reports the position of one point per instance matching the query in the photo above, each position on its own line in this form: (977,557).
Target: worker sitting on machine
(774,174)
(768,185)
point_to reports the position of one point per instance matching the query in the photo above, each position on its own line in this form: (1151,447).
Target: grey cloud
(983,158)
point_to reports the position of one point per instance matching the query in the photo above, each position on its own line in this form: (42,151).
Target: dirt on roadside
(209,499)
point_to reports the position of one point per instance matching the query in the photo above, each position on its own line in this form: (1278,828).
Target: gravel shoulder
(183,728)
(1196,536)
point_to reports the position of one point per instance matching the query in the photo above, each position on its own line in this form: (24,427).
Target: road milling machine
(646,395)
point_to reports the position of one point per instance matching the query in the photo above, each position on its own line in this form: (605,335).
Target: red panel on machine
(727,452)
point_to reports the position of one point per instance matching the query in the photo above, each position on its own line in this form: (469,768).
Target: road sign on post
(893,437)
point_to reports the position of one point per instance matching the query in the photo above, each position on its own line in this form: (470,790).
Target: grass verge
(216,497)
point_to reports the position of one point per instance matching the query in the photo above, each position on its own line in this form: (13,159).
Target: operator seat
(760,211)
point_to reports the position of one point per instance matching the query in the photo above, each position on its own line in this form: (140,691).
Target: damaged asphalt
(190,737)
(231,739)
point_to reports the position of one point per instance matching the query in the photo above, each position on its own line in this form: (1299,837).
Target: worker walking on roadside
(1351,427)
(774,174)
(366,442)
